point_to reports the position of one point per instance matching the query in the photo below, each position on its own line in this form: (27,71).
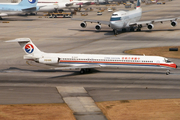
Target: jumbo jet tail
(28,3)
(28,46)
(138,4)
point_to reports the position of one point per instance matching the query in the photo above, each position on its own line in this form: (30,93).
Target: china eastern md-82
(87,62)
(123,20)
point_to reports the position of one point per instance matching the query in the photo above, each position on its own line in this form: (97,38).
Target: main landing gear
(85,70)
(131,29)
(167,72)
(139,28)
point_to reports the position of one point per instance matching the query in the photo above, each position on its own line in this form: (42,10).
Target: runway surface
(21,83)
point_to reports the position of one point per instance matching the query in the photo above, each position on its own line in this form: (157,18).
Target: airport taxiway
(37,84)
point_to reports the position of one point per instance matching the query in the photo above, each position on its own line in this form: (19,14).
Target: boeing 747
(123,20)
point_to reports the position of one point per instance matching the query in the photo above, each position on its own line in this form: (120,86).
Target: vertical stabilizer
(28,3)
(138,4)
(27,45)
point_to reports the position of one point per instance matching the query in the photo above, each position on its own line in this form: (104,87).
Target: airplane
(86,62)
(123,20)
(55,5)
(25,6)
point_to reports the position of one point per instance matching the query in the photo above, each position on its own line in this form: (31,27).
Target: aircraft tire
(88,70)
(132,29)
(82,71)
(138,29)
(168,72)
(124,30)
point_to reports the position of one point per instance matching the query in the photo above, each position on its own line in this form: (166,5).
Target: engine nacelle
(173,23)
(48,60)
(83,24)
(150,26)
(98,27)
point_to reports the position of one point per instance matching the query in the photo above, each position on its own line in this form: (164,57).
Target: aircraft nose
(113,25)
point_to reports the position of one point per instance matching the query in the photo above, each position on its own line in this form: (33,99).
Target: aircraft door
(158,62)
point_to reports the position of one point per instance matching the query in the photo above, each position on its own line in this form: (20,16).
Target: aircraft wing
(77,67)
(87,3)
(83,3)
(92,21)
(153,21)
(29,9)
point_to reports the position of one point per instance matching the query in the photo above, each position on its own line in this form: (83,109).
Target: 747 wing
(98,26)
(150,23)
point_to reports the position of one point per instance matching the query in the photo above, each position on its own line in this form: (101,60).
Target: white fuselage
(52,5)
(121,19)
(49,6)
(101,61)
(11,9)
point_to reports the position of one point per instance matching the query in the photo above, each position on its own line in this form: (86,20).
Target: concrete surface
(65,35)
(29,95)
(82,106)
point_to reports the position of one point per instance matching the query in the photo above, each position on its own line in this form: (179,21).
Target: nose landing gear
(115,31)
(167,72)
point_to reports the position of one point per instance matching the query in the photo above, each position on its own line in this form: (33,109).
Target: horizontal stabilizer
(20,40)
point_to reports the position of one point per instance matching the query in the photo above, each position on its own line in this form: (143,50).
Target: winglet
(28,3)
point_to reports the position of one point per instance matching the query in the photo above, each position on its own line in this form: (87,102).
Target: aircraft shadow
(109,32)
(27,70)
(159,30)
(77,73)
(107,72)
(18,19)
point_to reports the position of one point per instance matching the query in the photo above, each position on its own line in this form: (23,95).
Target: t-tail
(28,3)
(138,4)
(29,48)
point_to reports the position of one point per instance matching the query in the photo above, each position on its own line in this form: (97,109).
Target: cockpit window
(115,19)
(114,14)
(167,61)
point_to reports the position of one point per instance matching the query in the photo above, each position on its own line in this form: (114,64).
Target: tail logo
(138,3)
(32,1)
(29,48)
